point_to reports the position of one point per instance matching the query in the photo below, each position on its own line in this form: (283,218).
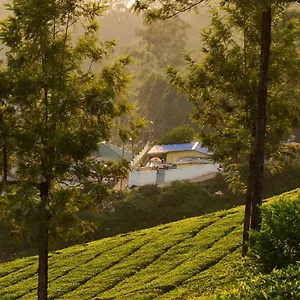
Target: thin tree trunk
(132,148)
(4,152)
(262,95)
(5,161)
(248,207)
(43,241)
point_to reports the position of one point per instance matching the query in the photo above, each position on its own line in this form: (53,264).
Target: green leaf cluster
(223,86)
(279,284)
(60,111)
(277,244)
(274,258)
(178,135)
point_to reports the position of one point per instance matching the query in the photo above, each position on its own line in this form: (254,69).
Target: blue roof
(157,149)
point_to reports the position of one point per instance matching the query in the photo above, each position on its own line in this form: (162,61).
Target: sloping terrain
(173,261)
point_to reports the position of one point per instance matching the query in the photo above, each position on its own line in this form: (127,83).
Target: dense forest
(153,48)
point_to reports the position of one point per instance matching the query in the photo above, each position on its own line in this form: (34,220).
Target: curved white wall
(190,172)
(139,178)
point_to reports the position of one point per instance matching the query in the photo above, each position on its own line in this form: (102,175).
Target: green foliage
(19,216)
(151,205)
(160,46)
(160,103)
(178,135)
(76,219)
(169,261)
(277,244)
(7,124)
(279,284)
(276,253)
(223,86)
(61,111)
(164,48)
(181,260)
(132,129)
(166,9)
(280,182)
(290,14)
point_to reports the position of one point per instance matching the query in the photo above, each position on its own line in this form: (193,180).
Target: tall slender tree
(223,87)
(62,112)
(6,124)
(165,9)
(160,46)
(261,118)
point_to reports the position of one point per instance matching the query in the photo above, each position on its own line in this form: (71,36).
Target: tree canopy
(262,14)
(61,111)
(178,135)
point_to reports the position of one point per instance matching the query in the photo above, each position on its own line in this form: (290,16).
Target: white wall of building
(139,178)
(191,172)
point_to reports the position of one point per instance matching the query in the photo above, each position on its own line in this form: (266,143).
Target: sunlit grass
(181,260)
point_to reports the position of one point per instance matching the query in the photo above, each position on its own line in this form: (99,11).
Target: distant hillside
(193,257)
(122,26)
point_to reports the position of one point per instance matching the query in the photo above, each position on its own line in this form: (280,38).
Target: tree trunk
(262,95)
(132,148)
(4,151)
(45,216)
(5,162)
(248,207)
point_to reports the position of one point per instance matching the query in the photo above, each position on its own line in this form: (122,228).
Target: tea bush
(276,253)
(277,244)
(280,284)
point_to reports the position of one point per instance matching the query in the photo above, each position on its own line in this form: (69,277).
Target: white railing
(138,157)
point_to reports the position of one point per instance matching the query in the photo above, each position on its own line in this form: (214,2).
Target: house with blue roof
(187,153)
(168,163)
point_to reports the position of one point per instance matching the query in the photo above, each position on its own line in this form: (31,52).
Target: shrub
(178,135)
(182,200)
(278,242)
(279,284)
(150,205)
(132,213)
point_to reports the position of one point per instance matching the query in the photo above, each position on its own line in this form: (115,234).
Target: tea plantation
(180,260)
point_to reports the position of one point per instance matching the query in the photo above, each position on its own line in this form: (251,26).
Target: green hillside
(178,260)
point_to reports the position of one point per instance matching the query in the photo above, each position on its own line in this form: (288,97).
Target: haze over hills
(122,26)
